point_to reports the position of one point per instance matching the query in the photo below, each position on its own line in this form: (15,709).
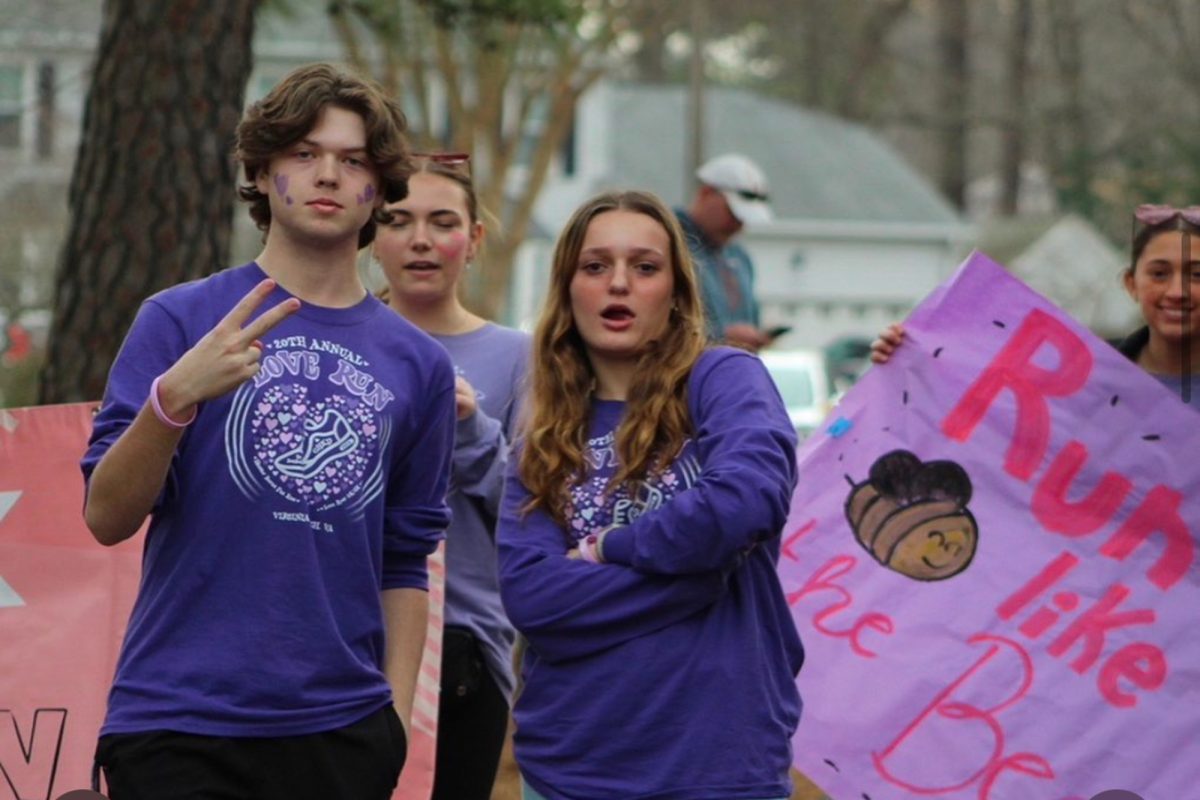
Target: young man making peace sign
(289,437)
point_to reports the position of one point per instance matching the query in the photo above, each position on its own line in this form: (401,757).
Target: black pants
(472,721)
(358,762)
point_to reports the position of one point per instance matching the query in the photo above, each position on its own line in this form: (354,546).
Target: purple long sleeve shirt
(291,503)
(670,671)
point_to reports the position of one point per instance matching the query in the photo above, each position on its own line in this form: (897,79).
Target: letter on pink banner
(64,601)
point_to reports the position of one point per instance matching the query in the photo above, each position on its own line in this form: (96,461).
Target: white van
(803,384)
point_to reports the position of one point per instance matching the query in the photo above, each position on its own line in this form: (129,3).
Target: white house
(859,236)
(1069,261)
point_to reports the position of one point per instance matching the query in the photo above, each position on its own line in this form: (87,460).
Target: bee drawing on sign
(912,516)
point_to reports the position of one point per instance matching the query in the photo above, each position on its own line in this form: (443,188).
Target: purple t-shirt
(291,502)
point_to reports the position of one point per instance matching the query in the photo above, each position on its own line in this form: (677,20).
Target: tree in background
(151,198)
(954,99)
(843,65)
(1071,151)
(499,79)
(1160,150)
(1014,126)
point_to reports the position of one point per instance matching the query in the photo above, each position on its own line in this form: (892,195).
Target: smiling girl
(639,533)
(1163,278)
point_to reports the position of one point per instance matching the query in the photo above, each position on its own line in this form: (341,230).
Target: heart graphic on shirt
(316,453)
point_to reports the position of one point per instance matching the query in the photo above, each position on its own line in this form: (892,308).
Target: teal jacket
(726,276)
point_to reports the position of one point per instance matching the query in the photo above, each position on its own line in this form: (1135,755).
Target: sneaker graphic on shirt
(328,439)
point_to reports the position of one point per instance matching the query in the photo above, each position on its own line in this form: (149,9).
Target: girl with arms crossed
(639,533)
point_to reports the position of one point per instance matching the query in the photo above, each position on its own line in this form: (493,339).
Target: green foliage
(1163,168)
(497,78)
(452,13)
(19,382)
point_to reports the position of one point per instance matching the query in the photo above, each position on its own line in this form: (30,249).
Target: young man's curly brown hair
(294,107)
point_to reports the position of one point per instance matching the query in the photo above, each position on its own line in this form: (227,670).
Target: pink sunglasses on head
(1150,214)
(462,160)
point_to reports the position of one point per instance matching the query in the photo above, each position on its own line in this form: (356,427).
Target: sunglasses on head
(746,194)
(1150,214)
(449,159)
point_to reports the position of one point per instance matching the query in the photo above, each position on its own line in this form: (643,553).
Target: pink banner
(991,561)
(64,602)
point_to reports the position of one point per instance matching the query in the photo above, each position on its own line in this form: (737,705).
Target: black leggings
(472,721)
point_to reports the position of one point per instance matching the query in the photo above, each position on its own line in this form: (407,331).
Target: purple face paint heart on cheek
(281,187)
(368,194)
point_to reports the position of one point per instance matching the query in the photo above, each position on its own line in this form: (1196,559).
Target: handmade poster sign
(991,558)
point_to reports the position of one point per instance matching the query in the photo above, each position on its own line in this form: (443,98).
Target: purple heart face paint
(281,187)
(368,195)
(314,183)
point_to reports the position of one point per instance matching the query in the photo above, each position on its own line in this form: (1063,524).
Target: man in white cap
(732,194)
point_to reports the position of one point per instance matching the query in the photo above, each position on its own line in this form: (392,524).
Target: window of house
(568,152)
(10,105)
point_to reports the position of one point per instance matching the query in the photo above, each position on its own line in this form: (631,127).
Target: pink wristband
(591,547)
(162,415)
(587,549)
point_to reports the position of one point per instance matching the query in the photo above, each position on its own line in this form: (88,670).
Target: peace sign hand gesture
(225,358)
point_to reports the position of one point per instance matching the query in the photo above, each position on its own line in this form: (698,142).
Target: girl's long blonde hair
(656,422)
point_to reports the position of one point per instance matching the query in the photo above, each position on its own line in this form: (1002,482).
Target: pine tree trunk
(151,197)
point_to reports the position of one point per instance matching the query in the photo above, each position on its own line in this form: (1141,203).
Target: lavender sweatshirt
(493,360)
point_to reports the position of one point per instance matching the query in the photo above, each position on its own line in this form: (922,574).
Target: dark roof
(819,166)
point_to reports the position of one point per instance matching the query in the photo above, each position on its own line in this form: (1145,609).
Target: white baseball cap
(743,184)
